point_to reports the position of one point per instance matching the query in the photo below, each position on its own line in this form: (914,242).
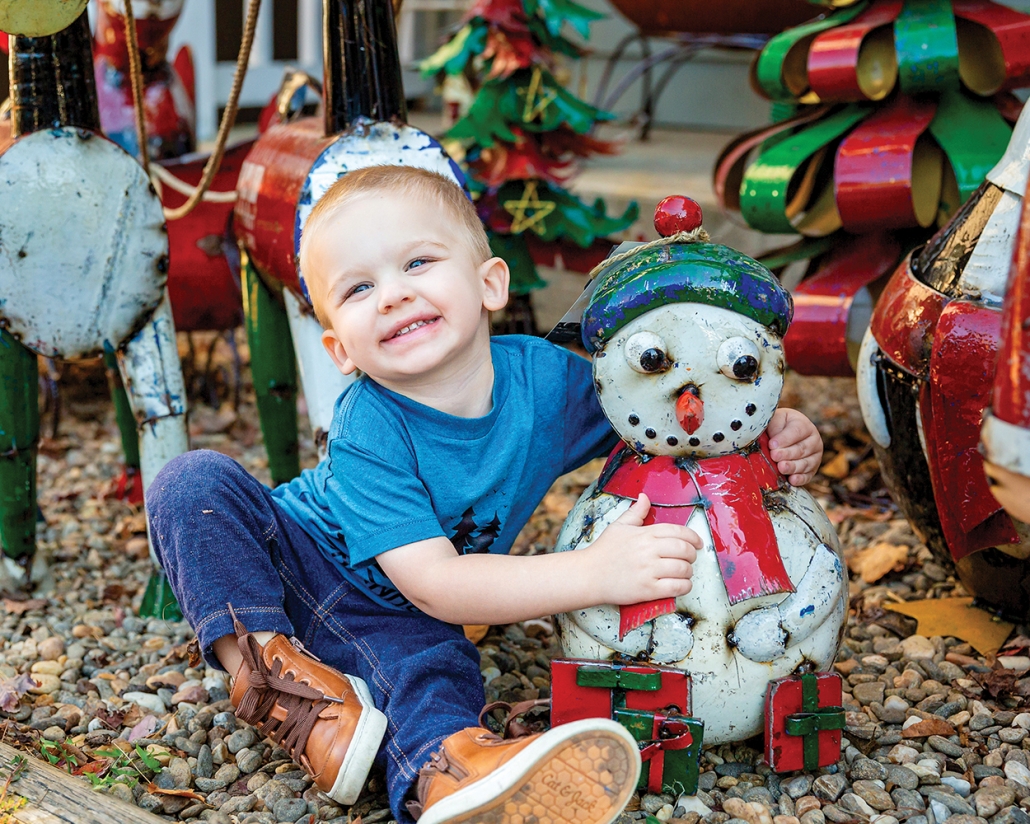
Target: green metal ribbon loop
(780,70)
(618,679)
(812,720)
(926,43)
(973,135)
(764,190)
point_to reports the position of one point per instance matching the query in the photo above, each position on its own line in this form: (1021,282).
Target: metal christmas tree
(524,132)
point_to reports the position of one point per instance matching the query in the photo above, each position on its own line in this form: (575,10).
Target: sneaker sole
(368,735)
(578,773)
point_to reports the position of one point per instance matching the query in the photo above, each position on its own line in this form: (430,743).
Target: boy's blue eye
(417,262)
(361,287)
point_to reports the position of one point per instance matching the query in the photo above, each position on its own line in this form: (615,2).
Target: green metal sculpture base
(123,410)
(273,366)
(19,438)
(159,600)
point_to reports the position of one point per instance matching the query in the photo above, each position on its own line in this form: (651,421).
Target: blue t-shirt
(397,472)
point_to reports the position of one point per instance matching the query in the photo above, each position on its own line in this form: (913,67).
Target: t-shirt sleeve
(588,434)
(380,503)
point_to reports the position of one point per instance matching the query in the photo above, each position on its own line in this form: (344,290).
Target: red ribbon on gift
(655,751)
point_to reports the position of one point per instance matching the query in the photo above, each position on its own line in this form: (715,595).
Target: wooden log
(55,797)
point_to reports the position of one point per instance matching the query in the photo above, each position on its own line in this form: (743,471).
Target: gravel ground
(933,731)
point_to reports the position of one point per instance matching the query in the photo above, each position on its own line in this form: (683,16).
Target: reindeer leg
(19,439)
(149,363)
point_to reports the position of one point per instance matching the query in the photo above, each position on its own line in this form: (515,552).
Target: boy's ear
(334,347)
(496,276)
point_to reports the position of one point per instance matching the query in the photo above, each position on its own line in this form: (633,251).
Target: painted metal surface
(833,306)
(641,405)
(168,100)
(38,18)
(320,380)
(19,439)
(884,175)
(804,718)
(369,143)
(960,380)
(727,17)
(112,277)
(670,749)
(925,379)
(273,368)
(856,61)
(52,80)
(994,46)
(927,46)
(204,269)
(595,689)
(780,609)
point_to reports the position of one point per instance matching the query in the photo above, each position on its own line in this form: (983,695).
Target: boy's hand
(632,563)
(795,445)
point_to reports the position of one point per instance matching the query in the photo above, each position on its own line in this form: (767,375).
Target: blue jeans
(222,538)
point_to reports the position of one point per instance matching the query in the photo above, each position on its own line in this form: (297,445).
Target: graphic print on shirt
(464,539)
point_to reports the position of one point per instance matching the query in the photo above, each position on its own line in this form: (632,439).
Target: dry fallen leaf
(837,467)
(20,607)
(929,726)
(12,689)
(153,789)
(875,561)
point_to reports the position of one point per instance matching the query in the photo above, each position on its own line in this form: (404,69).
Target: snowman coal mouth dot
(751,409)
(672,440)
(633,420)
(651,433)
(718,437)
(694,442)
(735,425)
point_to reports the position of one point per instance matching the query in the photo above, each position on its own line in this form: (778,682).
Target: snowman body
(769,593)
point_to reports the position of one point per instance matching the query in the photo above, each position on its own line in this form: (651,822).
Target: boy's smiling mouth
(412,326)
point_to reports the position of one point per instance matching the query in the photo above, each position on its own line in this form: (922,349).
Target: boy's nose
(393,292)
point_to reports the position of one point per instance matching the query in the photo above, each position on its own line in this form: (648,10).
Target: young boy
(355,557)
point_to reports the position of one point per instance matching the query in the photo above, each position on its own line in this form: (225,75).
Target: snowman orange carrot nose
(690,410)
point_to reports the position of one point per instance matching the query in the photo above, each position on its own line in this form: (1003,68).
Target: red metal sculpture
(926,375)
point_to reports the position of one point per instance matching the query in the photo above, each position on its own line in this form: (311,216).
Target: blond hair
(405,180)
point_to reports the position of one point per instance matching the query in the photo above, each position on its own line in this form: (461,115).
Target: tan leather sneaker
(578,773)
(325,720)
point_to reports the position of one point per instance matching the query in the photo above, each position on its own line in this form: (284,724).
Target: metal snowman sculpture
(688,362)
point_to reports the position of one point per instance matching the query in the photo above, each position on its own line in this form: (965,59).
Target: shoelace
(267,687)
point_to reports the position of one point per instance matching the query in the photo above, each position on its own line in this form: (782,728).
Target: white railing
(214,78)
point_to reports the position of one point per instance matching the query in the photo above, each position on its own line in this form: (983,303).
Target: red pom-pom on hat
(677,214)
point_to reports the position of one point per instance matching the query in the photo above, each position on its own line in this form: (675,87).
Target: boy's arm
(628,563)
(795,445)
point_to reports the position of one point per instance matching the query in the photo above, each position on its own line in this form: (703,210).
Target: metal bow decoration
(888,115)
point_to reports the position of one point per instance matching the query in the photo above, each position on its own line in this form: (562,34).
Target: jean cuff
(255,619)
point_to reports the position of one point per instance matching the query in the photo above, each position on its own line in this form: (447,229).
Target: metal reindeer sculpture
(926,374)
(84,267)
(290,167)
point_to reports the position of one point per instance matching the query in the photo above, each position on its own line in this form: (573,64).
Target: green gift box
(670,748)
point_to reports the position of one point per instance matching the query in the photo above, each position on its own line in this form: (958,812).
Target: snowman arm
(764,633)
(816,596)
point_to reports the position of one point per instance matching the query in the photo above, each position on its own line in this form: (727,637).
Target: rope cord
(159,174)
(698,235)
(136,77)
(228,118)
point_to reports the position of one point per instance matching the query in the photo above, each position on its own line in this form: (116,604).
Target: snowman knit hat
(667,272)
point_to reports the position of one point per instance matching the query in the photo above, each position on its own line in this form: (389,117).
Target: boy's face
(405,299)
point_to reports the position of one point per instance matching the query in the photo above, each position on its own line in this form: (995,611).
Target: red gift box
(803,721)
(595,689)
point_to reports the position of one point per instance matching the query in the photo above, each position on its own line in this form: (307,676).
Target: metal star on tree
(529,201)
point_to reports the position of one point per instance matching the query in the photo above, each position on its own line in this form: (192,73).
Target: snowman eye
(738,359)
(645,352)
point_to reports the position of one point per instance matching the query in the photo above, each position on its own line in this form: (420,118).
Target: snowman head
(686,338)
